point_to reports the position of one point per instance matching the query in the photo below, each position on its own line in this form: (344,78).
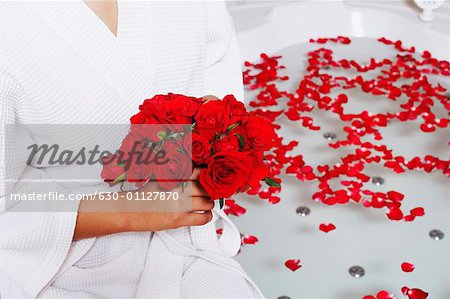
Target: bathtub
(364,237)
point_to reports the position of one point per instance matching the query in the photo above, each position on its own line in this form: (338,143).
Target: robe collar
(81,29)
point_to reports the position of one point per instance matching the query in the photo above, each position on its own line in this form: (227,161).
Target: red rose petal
(327,227)
(293,265)
(318,87)
(407,267)
(249,239)
(418,212)
(385,295)
(394,195)
(415,293)
(409,218)
(395,214)
(274,199)
(233,208)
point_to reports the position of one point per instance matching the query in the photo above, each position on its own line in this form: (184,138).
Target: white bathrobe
(59,64)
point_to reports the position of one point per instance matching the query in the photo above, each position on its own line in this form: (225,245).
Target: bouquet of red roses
(221,137)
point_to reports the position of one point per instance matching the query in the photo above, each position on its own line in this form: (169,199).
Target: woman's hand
(199,214)
(99,223)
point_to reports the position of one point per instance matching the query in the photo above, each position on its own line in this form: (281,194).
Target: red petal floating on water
(327,227)
(274,199)
(293,265)
(395,214)
(414,293)
(428,128)
(407,267)
(394,195)
(409,218)
(314,93)
(233,208)
(426,55)
(385,295)
(418,212)
(249,239)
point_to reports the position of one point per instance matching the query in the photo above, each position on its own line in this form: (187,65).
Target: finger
(195,174)
(202,204)
(195,189)
(197,219)
(208,98)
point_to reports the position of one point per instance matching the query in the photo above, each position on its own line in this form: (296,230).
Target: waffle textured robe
(59,64)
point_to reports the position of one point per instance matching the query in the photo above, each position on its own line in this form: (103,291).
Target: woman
(93,63)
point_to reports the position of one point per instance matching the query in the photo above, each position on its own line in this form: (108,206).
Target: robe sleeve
(33,245)
(223,59)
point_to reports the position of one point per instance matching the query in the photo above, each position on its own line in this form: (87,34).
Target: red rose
(172,108)
(111,169)
(260,132)
(146,113)
(139,118)
(212,118)
(260,170)
(227,173)
(236,110)
(230,141)
(150,133)
(131,145)
(140,167)
(198,146)
(176,166)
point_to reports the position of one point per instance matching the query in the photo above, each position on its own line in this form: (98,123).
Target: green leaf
(271,182)
(161,135)
(120,178)
(221,203)
(241,141)
(189,128)
(233,126)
